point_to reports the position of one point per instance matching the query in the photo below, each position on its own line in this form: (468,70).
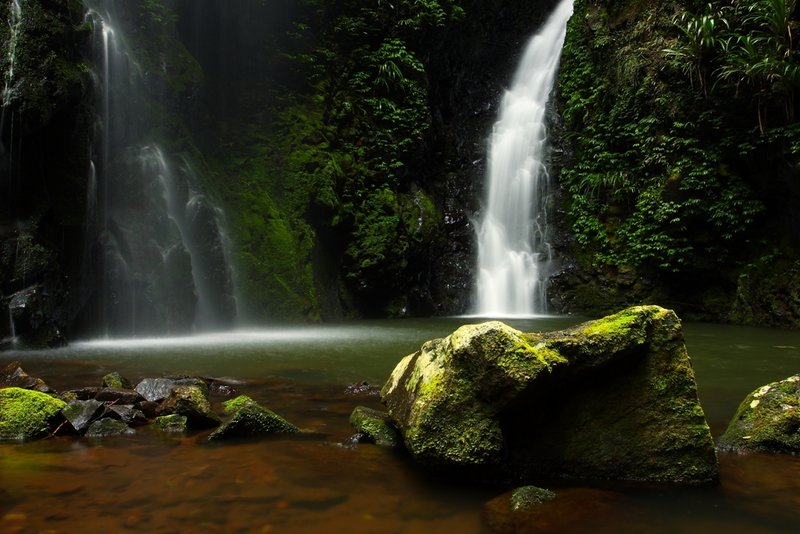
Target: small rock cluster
(30,409)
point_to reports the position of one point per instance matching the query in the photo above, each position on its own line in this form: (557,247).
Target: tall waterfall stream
(514,255)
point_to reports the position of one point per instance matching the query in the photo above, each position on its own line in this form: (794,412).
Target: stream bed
(158,482)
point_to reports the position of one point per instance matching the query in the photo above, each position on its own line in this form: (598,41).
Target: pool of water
(166,483)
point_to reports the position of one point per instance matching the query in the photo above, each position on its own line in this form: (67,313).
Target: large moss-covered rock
(768,420)
(609,399)
(26,414)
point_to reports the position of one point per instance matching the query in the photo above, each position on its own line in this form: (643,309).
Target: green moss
(115,380)
(524,499)
(236,404)
(615,325)
(26,414)
(252,420)
(171,423)
(376,425)
(768,420)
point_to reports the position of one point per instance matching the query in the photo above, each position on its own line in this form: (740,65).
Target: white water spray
(513,251)
(14,26)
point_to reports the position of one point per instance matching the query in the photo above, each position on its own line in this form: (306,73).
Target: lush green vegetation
(331,177)
(669,122)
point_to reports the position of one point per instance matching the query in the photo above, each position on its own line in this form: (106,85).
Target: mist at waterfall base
(157,259)
(514,255)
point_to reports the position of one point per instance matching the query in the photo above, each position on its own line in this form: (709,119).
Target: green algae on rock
(768,420)
(27,414)
(613,399)
(250,420)
(376,425)
(191,401)
(171,423)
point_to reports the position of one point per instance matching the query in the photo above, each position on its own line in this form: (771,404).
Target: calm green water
(154,483)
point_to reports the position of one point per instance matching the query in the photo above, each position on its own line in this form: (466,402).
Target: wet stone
(80,393)
(115,380)
(14,376)
(155,389)
(108,427)
(127,414)
(171,423)
(191,401)
(362,389)
(376,425)
(82,413)
(119,396)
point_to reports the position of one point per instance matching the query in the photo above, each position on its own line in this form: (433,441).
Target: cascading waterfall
(514,255)
(158,246)
(6,152)
(14,26)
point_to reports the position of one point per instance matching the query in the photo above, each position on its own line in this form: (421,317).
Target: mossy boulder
(376,426)
(27,414)
(250,419)
(612,399)
(768,420)
(192,402)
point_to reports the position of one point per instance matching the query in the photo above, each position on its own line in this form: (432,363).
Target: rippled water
(164,483)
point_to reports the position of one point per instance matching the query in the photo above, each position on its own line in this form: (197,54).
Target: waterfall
(158,246)
(514,255)
(14,26)
(6,152)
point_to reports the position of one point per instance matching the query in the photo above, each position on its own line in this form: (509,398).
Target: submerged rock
(375,426)
(609,399)
(26,414)
(250,420)
(768,420)
(171,423)
(108,427)
(527,497)
(363,388)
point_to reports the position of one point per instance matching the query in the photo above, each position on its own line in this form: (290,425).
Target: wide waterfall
(158,250)
(514,255)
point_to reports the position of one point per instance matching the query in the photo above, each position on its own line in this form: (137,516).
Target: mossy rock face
(26,414)
(768,420)
(376,426)
(613,399)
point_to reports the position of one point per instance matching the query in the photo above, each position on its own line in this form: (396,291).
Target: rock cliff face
(44,165)
(613,399)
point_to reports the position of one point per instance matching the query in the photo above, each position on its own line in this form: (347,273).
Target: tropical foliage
(664,179)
